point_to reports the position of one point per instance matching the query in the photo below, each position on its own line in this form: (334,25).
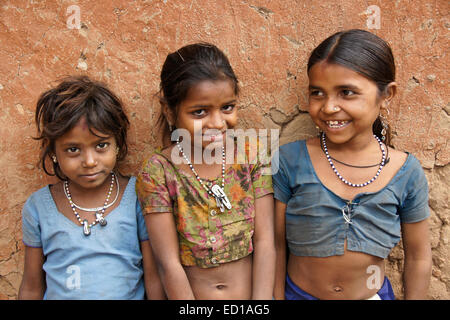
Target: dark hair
(185,68)
(363,52)
(59,109)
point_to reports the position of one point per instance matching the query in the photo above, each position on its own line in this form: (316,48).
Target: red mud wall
(124,43)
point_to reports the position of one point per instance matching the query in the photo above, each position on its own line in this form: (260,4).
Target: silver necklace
(216,191)
(382,163)
(97,208)
(98,214)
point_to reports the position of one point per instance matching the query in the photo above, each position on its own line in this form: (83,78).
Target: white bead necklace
(382,163)
(216,191)
(98,214)
(95,209)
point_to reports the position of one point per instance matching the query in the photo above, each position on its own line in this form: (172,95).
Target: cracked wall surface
(124,43)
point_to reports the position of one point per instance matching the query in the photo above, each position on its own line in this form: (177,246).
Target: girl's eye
(199,112)
(316,93)
(72,150)
(348,93)
(103,146)
(228,108)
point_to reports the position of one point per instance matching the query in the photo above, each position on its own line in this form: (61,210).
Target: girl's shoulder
(40,202)
(291,152)
(40,195)
(404,162)
(157,163)
(158,156)
(398,157)
(294,146)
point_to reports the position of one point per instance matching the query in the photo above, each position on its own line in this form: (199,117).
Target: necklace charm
(221,197)
(216,191)
(86,228)
(98,211)
(346,215)
(101,220)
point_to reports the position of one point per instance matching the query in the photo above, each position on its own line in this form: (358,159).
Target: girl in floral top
(210,222)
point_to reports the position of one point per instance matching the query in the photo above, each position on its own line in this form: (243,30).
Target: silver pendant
(86,228)
(101,220)
(221,197)
(219,204)
(346,216)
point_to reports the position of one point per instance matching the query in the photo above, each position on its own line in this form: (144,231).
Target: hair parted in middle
(185,68)
(364,53)
(59,109)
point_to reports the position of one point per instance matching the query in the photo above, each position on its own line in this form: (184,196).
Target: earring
(117,150)
(54,159)
(385,125)
(170,127)
(319,132)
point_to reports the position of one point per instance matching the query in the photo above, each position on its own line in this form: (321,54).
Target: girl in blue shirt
(85,236)
(346,198)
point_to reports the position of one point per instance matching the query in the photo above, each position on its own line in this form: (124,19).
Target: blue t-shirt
(105,265)
(315,222)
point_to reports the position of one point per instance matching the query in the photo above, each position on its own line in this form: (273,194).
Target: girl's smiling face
(342,103)
(210,107)
(86,159)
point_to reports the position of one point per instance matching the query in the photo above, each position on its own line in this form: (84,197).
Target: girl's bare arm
(417,273)
(33,280)
(280,245)
(264,249)
(164,240)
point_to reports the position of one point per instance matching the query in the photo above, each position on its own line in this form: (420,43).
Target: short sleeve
(261,173)
(151,187)
(281,188)
(142,228)
(415,205)
(31,229)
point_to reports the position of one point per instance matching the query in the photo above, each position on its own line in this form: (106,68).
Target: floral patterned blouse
(207,236)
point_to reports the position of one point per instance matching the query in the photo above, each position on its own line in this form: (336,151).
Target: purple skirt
(292,292)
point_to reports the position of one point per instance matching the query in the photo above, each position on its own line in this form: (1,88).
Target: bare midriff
(353,275)
(232,280)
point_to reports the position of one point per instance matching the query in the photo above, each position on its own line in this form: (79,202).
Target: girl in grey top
(346,198)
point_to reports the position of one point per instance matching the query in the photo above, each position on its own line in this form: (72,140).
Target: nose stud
(336,108)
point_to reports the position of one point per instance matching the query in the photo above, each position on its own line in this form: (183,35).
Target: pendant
(86,228)
(100,219)
(219,204)
(346,216)
(221,198)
